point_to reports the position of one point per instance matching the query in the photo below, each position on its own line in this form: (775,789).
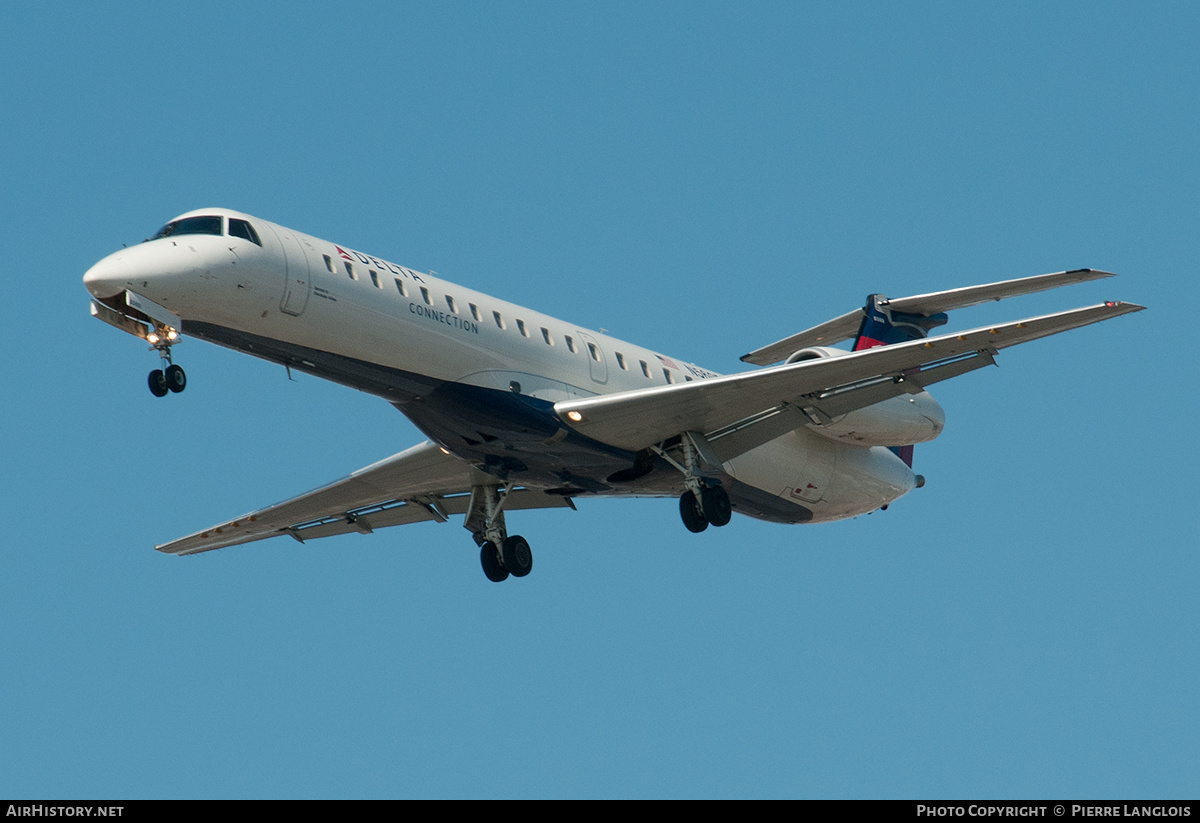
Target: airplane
(525,411)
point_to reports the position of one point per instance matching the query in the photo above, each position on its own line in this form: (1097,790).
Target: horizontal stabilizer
(847,325)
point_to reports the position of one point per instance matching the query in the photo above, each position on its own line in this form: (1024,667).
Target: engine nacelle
(815,352)
(898,421)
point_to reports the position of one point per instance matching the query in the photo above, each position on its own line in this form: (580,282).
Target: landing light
(172,335)
(575,417)
(152,338)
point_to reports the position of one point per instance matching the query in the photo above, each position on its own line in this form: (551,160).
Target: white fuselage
(316,299)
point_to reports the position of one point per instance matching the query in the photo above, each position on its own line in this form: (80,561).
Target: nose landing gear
(170,378)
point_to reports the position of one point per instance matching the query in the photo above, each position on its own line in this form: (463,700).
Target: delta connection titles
(1055,811)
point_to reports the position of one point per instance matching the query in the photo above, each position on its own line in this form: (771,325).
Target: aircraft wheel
(176,379)
(491,563)
(158,383)
(693,518)
(518,558)
(717,509)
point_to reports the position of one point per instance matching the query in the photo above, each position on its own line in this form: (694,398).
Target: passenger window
(546,336)
(350,270)
(645,368)
(400,287)
(328,263)
(499,320)
(425,294)
(375,278)
(450,303)
(475,311)
(521,326)
(242,229)
(571,343)
(621,361)
(667,375)
(594,351)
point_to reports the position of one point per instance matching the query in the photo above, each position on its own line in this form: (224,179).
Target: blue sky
(700,178)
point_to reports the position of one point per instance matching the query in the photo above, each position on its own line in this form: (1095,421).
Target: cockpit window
(240,228)
(208,224)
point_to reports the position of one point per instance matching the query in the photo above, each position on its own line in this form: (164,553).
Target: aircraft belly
(828,480)
(388,383)
(517,437)
(763,505)
(507,434)
(533,385)
(514,436)
(797,466)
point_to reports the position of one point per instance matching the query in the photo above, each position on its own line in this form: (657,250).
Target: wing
(421,483)
(778,399)
(847,325)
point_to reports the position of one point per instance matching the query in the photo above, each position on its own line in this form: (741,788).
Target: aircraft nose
(108,277)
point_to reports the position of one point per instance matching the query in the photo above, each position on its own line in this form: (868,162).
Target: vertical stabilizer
(905,453)
(883,327)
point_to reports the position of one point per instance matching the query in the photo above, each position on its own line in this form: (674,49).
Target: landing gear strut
(499,554)
(170,377)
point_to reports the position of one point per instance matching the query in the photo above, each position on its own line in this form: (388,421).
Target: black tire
(717,509)
(690,512)
(158,383)
(176,379)
(491,563)
(518,558)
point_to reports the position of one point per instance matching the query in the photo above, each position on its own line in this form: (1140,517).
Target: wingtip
(1092,274)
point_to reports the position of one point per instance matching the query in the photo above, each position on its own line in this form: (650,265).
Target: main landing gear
(710,507)
(511,556)
(170,378)
(704,502)
(499,554)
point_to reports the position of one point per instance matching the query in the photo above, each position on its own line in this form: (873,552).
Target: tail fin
(905,453)
(883,327)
